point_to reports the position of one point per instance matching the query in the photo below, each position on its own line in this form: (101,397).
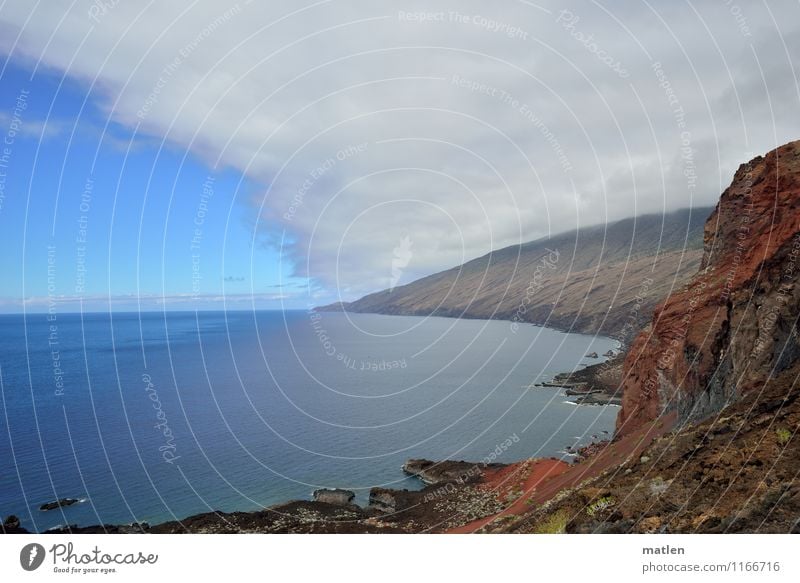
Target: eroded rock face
(699,479)
(386,500)
(335,496)
(734,324)
(383,500)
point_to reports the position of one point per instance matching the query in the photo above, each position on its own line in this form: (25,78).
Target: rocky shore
(598,384)
(733,473)
(456,493)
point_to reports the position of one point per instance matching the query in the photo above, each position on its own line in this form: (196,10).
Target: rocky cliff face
(734,325)
(735,473)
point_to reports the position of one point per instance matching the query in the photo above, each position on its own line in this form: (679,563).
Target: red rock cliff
(735,324)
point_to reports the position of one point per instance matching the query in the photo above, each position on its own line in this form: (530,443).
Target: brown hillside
(604,279)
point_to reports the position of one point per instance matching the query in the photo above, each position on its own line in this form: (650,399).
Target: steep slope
(734,326)
(598,279)
(736,473)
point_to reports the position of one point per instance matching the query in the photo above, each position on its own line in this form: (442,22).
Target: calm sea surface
(153,417)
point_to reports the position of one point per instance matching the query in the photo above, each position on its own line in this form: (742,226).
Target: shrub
(555,523)
(600,505)
(784,435)
(658,486)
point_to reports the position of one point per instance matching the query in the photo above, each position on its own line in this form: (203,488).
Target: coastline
(458,496)
(461,497)
(597,384)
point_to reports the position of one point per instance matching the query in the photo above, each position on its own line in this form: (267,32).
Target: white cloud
(33,128)
(536,134)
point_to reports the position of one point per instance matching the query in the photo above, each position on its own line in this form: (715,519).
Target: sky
(284,154)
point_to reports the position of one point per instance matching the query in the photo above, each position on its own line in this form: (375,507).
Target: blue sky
(107,212)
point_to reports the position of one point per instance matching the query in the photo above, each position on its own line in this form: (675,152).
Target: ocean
(158,416)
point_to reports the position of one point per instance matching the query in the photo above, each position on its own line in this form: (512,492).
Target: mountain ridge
(599,279)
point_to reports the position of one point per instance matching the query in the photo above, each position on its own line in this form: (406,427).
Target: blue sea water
(158,416)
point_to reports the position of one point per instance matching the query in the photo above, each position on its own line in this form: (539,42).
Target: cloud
(33,128)
(462,128)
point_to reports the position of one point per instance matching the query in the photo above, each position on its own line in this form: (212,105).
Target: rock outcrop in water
(60,503)
(432,473)
(734,326)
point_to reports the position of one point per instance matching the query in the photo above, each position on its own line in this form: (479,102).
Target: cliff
(735,473)
(733,327)
(603,279)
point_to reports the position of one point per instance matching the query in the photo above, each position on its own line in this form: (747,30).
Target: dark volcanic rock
(300,516)
(334,496)
(432,473)
(132,528)
(389,501)
(385,500)
(598,384)
(11,525)
(60,503)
